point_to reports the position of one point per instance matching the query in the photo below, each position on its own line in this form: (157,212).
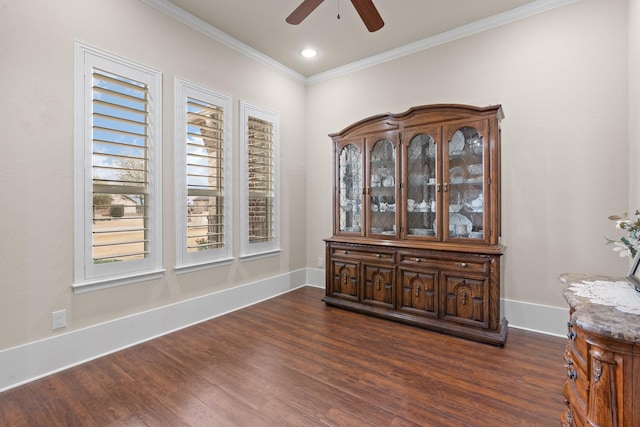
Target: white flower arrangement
(630,244)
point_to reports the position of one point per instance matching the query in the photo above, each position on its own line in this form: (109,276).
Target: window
(259,180)
(117,170)
(203,184)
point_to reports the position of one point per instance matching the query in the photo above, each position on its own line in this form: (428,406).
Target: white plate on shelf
(455,219)
(456,145)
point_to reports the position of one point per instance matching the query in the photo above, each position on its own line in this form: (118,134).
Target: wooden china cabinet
(416,217)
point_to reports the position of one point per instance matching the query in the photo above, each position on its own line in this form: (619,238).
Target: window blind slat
(130,121)
(140,87)
(119,95)
(123,132)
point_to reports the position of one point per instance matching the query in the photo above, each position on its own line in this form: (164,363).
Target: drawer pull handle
(571,374)
(378,256)
(572,335)
(418,260)
(417,290)
(464,265)
(345,252)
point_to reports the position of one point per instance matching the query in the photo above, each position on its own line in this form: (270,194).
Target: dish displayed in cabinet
(475,169)
(455,219)
(456,146)
(422,232)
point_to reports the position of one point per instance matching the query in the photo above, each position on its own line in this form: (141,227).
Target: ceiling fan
(365,8)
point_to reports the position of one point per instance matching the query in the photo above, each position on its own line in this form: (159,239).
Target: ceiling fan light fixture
(309,52)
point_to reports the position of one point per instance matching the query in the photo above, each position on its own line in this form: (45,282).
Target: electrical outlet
(58,319)
(320,262)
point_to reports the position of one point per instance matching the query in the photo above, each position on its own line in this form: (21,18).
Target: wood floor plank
(292,361)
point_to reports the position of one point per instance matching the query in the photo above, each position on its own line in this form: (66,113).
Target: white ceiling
(410,25)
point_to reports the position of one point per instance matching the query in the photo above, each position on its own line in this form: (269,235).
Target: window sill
(259,255)
(99,284)
(187,268)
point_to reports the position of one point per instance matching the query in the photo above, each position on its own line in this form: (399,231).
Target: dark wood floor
(292,361)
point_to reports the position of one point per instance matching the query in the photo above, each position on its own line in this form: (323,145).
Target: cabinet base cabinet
(344,281)
(418,293)
(602,387)
(451,292)
(602,357)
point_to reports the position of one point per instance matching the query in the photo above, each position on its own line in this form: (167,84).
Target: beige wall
(561,77)
(36,157)
(634,104)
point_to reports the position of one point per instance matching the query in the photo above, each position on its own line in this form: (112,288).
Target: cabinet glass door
(465,184)
(383,188)
(421,195)
(350,189)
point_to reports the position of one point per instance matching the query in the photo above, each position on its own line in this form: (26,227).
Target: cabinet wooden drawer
(577,346)
(576,384)
(379,255)
(455,264)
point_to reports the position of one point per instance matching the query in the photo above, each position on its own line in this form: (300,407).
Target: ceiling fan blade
(302,11)
(369,14)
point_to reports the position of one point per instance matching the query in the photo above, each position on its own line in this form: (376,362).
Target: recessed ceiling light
(308,53)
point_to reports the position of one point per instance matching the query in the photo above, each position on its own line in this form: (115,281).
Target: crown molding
(214,33)
(530,9)
(494,21)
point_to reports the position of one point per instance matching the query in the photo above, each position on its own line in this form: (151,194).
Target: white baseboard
(37,359)
(536,317)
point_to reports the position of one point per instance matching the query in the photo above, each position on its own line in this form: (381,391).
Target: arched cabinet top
(419,116)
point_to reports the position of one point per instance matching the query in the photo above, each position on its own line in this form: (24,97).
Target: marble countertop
(607,306)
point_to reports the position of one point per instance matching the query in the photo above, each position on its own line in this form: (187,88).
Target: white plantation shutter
(205,176)
(261,178)
(120,169)
(203,168)
(260,234)
(117,170)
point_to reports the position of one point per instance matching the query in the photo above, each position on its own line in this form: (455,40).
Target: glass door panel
(383,188)
(350,189)
(464,193)
(421,186)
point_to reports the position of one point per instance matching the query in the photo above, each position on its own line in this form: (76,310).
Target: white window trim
(263,249)
(87,276)
(186,261)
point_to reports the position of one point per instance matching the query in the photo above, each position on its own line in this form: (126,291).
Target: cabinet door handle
(571,374)
(572,335)
(378,283)
(345,276)
(417,290)
(437,188)
(446,186)
(464,297)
